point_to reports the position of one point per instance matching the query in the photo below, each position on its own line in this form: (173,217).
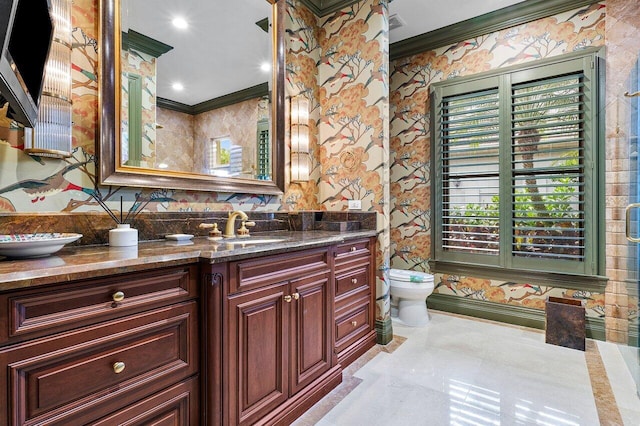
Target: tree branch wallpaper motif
(410,141)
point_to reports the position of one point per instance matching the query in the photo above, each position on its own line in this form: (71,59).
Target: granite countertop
(80,262)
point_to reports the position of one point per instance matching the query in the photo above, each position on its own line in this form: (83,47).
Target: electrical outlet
(355,204)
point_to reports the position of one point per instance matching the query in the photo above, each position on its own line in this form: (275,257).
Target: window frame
(574,274)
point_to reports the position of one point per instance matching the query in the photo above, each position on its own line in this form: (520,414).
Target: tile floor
(463,371)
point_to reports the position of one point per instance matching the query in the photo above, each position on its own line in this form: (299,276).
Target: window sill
(593,283)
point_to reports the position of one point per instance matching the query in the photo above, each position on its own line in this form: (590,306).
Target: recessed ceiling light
(180,23)
(177,86)
(265,66)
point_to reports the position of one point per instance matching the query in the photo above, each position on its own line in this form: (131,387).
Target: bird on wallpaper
(339,14)
(41,188)
(330,173)
(401,160)
(587,11)
(503,42)
(337,138)
(336,77)
(378,75)
(326,58)
(245,198)
(515,286)
(520,57)
(454,49)
(91,76)
(296,35)
(448,284)
(400,115)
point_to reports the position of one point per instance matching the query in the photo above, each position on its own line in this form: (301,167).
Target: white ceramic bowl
(34,245)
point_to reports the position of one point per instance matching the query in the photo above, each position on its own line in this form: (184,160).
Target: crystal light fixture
(52,135)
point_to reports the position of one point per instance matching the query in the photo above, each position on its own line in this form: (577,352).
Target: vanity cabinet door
(278,345)
(258,355)
(310,328)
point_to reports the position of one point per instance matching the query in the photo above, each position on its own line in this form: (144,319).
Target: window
(516,167)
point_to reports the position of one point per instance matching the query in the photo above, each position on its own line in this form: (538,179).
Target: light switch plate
(355,204)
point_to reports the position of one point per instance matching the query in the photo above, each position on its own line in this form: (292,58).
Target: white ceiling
(422,16)
(230,47)
(220,52)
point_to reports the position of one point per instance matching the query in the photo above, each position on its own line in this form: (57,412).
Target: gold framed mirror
(122,162)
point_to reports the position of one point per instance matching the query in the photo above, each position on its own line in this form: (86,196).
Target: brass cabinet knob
(118,296)
(296,296)
(354,323)
(287,298)
(354,281)
(353,249)
(118,367)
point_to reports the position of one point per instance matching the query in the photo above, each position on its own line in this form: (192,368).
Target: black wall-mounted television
(26,33)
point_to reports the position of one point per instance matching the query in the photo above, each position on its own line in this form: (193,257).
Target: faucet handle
(207,225)
(243,231)
(215,233)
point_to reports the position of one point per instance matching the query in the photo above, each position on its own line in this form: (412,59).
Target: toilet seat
(404,278)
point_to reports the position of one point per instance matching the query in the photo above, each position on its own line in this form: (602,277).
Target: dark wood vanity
(188,337)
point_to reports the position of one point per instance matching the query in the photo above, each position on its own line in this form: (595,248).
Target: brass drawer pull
(354,248)
(354,323)
(287,298)
(354,281)
(118,367)
(296,296)
(118,296)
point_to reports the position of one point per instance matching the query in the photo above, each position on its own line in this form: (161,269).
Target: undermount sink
(252,240)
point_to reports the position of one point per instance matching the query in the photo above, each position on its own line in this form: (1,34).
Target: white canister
(123,236)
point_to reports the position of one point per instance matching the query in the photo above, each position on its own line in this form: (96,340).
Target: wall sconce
(52,136)
(300,159)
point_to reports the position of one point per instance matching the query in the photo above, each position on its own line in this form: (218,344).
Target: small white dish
(22,246)
(178,237)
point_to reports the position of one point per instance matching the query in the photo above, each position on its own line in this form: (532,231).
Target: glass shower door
(631,353)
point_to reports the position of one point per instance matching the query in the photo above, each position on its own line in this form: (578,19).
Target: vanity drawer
(351,280)
(62,307)
(262,271)
(82,375)
(349,250)
(353,323)
(177,405)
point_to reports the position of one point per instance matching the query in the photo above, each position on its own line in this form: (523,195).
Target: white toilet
(409,291)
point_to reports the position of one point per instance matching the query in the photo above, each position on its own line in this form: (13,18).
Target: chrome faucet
(229,230)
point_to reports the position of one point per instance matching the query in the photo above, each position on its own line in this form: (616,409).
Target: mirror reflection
(195,86)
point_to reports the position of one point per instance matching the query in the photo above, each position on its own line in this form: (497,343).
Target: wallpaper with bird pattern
(31,184)
(410,141)
(340,64)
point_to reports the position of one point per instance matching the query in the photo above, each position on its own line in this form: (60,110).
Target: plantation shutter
(470,164)
(548,168)
(516,175)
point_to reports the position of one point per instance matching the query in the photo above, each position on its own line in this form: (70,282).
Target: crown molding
(324,7)
(257,91)
(507,17)
(142,43)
